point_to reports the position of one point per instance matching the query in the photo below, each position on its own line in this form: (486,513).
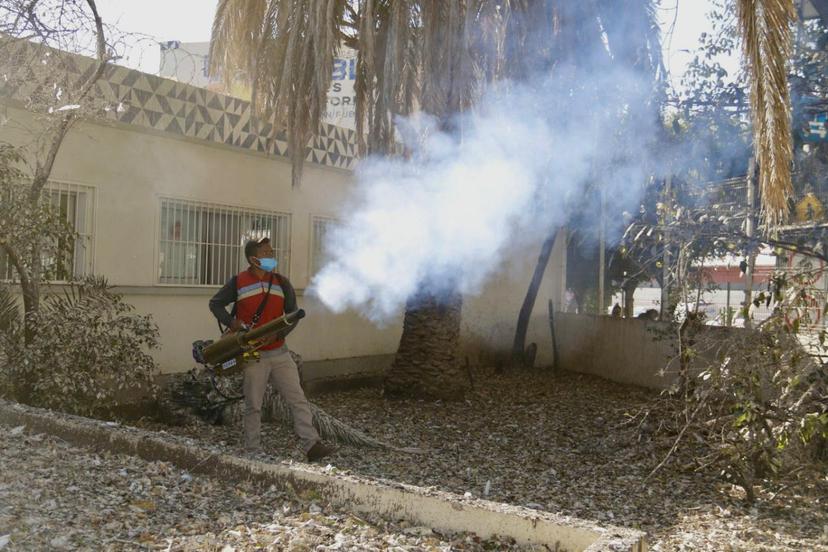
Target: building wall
(131,168)
(628,350)
(489,318)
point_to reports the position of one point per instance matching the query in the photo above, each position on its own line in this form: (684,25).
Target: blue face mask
(268,264)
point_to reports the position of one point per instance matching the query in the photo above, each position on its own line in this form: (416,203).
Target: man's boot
(319,450)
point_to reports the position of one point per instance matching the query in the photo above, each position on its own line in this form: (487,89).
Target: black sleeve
(290,294)
(225,296)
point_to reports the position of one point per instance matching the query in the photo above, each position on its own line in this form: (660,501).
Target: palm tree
(432,55)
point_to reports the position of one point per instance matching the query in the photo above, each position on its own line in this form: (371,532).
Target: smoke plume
(523,159)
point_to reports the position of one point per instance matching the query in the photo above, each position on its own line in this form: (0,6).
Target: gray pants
(278,368)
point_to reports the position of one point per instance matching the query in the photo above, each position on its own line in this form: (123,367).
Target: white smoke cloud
(447,215)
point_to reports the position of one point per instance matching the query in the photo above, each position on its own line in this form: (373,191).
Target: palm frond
(765,26)
(284,50)
(428,55)
(219,400)
(91,292)
(332,429)
(633,35)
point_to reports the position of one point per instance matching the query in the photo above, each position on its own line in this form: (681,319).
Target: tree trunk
(519,356)
(29,285)
(426,364)
(629,303)
(31,304)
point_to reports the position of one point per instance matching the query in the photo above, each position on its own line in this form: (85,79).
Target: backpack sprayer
(228,354)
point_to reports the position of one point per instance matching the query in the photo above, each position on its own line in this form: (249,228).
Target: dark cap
(252,246)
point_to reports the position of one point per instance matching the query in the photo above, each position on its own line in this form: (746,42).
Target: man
(260,295)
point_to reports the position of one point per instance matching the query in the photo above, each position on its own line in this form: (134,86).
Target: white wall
(489,319)
(618,349)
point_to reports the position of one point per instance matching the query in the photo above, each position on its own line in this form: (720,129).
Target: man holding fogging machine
(260,295)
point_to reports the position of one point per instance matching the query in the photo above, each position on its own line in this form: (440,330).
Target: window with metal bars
(76,205)
(201,244)
(320,229)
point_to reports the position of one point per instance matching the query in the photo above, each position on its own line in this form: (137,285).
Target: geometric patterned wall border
(169,106)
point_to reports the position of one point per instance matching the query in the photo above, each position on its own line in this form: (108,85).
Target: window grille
(320,232)
(76,205)
(201,244)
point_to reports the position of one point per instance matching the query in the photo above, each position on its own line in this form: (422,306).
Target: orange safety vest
(250,292)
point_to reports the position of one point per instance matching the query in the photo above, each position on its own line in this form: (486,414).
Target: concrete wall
(627,350)
(618,349)
(132,168)
(489,318)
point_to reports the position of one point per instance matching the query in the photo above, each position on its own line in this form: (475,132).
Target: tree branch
(44,170)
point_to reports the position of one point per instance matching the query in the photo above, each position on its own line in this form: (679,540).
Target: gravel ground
(558,443)
(57,497)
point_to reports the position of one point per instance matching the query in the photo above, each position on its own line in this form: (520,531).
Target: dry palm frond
(364,85)
(431,55)
(284,49)
(464,49)
(633,35)
(489,36)
(532,31)
(765,27)
(219,400)
(387,81)
(333,429)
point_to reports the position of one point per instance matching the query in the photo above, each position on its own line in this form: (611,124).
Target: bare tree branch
(44,169)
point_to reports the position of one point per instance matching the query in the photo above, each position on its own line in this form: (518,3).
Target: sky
(682,21)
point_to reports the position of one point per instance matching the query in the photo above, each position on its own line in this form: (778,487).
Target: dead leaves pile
(561,443)
(57,497)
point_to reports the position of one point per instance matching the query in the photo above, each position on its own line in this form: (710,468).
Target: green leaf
(742,419)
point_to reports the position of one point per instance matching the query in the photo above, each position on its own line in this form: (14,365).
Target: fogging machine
(228,354)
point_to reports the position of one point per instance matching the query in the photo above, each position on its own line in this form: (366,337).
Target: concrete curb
(439,510)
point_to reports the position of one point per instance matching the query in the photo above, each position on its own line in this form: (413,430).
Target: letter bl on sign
(344,69)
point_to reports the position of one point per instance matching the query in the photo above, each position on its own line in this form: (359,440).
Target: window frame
(313,270)
(69,185)
(228,208)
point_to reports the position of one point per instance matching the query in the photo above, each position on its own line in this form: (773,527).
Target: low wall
(324,375)
(618,349)
(626,350)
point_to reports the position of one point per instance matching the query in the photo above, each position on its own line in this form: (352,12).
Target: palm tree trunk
(426,364)
(519,344)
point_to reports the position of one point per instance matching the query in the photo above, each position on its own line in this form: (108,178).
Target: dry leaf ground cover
(57,497)
(560,443)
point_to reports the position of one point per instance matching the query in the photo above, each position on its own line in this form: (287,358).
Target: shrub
(757,399)
(89,353)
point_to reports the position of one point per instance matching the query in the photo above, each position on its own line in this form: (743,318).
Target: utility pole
(750,230)
(665,266)
(728,319)
(602,238)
